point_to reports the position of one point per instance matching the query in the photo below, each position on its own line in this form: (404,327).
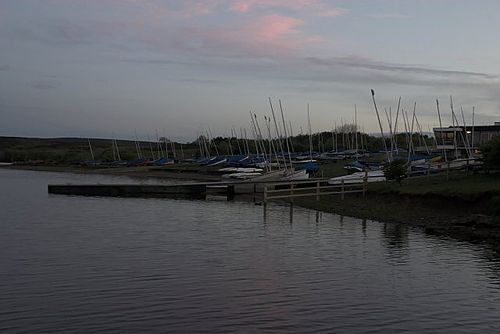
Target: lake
(126,265)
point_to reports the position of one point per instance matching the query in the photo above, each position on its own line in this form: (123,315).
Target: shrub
(491,154)
(396,170)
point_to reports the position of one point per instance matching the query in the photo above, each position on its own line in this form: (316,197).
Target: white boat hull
(373,176)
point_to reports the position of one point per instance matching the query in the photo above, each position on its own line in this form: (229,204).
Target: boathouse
(463,141)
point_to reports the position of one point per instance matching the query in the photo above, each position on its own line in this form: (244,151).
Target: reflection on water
(82,264)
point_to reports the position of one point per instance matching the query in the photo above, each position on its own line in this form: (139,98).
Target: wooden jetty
(292,189)
(269,190)
(129,190)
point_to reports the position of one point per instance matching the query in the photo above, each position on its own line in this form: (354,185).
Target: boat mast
(278,134)
(333,140)
(230,147)
(233,133)
(272,148)
(202,154)
(380,125)
(291,136)
(286,135)
(310,134)
(336,141)
(410,148)
(356,129)
(395,130)
(254,133)
(213,141)
(263,147)
(441,127)
(453,123)
(473,114)
(422,135)
(113,148)
(245,141)
(465,130)
(91,152)
(390,126)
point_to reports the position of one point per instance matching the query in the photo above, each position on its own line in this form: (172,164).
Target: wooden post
(317,190)
(264,205)
(291,192)
(342,194)
(365,184)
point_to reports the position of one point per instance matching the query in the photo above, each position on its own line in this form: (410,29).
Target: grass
(333,169)
(439,203)
(70,150)
(455,185)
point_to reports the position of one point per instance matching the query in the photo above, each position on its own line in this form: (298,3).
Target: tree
(396,170)
(491,154)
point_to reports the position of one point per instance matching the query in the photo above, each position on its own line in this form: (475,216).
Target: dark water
(84,265)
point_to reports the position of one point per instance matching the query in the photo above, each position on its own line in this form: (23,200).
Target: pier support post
(365,185)
(342,193)
(264,206)
(317,190)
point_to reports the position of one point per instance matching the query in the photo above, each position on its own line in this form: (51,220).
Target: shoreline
(134,172)
(467,217)
(435,214)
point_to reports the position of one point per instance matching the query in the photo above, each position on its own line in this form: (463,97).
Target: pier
(268,190)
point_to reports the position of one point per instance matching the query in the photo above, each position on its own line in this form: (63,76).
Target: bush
(396,170)
(491,154)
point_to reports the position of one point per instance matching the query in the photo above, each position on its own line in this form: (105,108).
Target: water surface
(124,265)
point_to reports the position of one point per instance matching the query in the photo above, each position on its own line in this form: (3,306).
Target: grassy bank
(467,207)
(53,151)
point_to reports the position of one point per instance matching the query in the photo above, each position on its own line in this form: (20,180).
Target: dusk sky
(103,68)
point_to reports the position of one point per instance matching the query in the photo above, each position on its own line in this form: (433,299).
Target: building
(462,142)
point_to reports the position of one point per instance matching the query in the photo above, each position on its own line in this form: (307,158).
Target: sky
(117,68)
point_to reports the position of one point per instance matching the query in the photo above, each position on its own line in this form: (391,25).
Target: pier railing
(317,188)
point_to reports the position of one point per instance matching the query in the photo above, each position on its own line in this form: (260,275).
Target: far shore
(136,172)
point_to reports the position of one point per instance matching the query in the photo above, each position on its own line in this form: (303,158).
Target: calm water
(77,264)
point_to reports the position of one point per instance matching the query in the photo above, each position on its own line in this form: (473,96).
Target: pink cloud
(318,7)
(273,27)
(162,26)
(269,35)
(193,8)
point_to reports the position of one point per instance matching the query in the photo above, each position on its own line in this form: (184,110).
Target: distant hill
(71,150)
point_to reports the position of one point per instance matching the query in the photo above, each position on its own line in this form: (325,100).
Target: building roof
(485,128)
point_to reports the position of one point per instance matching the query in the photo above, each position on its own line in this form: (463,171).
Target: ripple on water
(73,264)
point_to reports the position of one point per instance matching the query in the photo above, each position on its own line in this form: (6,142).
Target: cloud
(318,7)
(269,35)
(274,30)
(365,63)
(194,8)
(263,36)
(383,16)
(45,84)
(5,67)
(155,61)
